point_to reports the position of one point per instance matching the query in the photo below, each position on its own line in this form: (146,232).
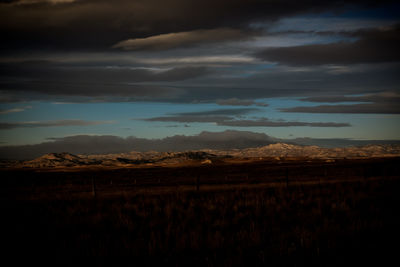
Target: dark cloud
(280,81)
(99,24)
(235,102)
(373,108)
(229,112)
(182,39)
(177,126)
(285,81)
(239,102)
(264,122)
(52,71)
(213,116)
(373,46)
(261,104)
(55,123)
(189,118)
(385,97)
(55,79)
(228,117)
(13,110)
(380,103)
(32,2)
(335,99)
(85,93)
(84,27)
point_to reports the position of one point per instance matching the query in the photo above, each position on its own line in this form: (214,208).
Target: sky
(153,69)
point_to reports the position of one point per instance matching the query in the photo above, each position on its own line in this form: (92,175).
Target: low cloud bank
(87,144)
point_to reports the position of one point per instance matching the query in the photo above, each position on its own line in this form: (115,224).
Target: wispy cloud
(206,59)
(13,110)
(229,117)
(53,123)
(265,122)
(373,108)
(229,112)
(372,46)
(188,118)
(182,39)
(30,2)
(239,102)
(213,116)
(383,97)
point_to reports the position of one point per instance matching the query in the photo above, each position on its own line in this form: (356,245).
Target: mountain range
(276,152)
(225,141)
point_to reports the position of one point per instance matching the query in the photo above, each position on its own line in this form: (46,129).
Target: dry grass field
(292,213)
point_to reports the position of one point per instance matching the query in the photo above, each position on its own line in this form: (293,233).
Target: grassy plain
(287,213)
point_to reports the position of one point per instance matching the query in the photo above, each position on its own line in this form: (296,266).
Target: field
(250,213)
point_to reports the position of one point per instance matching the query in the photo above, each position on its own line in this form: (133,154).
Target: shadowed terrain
(278,213)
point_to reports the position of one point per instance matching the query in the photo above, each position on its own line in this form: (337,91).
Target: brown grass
(53,219)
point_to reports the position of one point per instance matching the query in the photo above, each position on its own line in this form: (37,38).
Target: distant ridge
(226,140)
(336,142)
(276,151)
(54,160)
(59,156)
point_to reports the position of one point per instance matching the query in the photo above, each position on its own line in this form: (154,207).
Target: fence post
(197,183)
(93,187)
(287,177)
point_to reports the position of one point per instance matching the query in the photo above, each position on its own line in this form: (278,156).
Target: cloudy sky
(160,68)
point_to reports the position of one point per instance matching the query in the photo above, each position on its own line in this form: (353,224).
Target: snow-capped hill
(59,156)
(55,160)
(278,151)
(280,146)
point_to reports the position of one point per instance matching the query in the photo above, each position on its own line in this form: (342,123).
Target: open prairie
(291,213)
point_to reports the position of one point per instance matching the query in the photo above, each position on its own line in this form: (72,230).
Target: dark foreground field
(293,213)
